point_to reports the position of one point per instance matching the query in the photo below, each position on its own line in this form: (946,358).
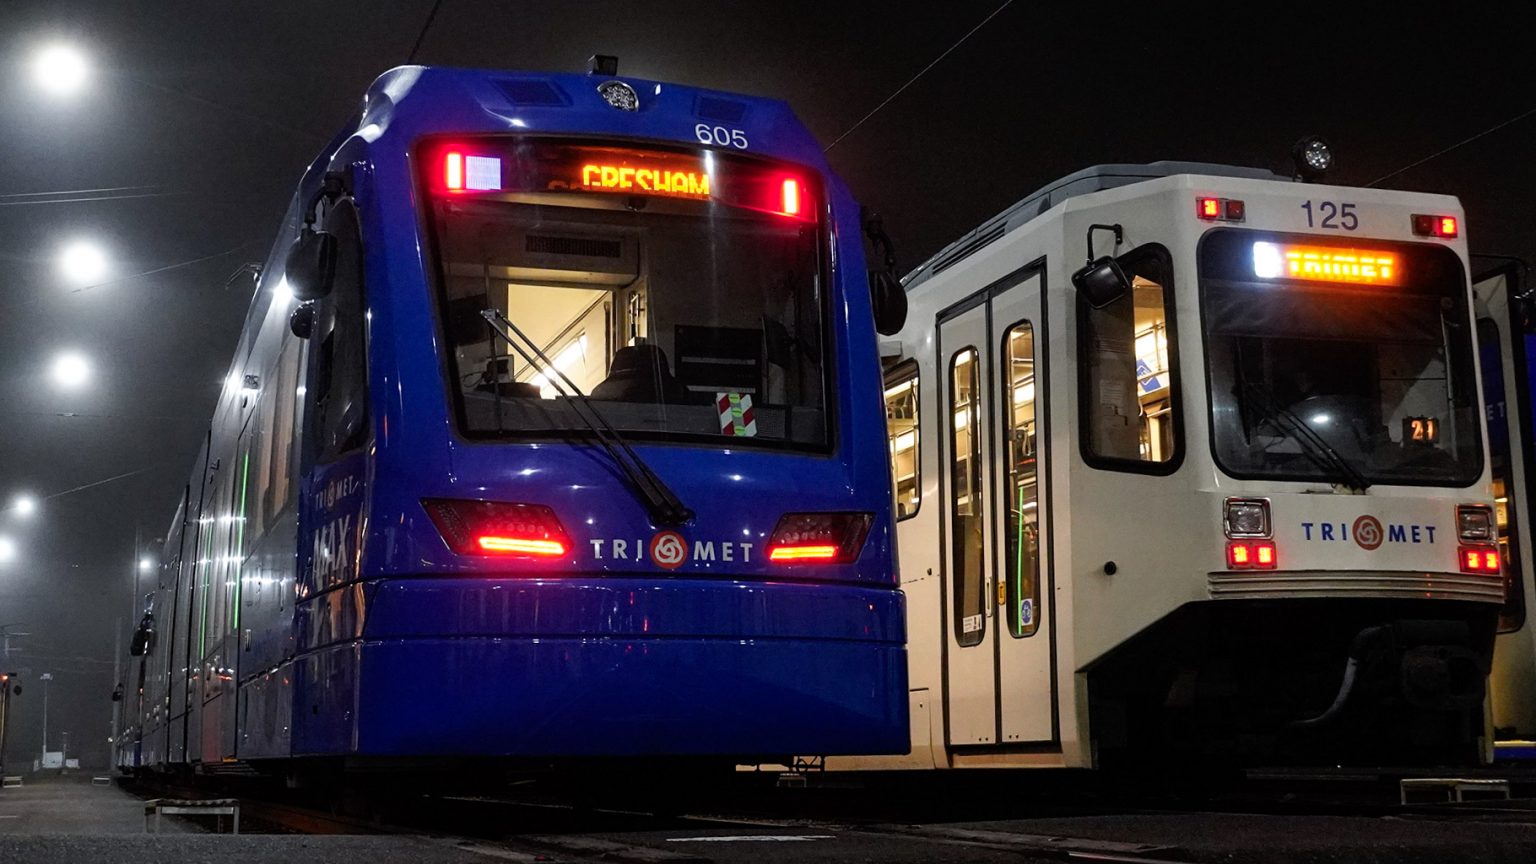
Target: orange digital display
(600,177)
(1326,264)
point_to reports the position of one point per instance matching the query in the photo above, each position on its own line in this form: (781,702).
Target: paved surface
(69,821)
(66,820)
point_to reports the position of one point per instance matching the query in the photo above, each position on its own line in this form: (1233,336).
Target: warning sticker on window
(736,414)
(970,624)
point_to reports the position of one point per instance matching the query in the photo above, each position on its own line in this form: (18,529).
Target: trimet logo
(1368,533)
(670,550)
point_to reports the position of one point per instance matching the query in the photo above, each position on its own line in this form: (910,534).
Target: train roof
(1089,180)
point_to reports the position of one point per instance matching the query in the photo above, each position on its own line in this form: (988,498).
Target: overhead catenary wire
(1458,145)
(422,35)
(921,73)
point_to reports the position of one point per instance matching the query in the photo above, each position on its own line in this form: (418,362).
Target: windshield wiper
(1315,446)
(663,505)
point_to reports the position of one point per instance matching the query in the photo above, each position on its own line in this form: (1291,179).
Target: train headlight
(1247,517)
(1474,522)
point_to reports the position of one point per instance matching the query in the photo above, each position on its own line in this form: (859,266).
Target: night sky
(208,113)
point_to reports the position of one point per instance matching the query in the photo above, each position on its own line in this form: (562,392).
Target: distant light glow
(24,505)
(1320,419)
(282,293)
(71,370)
(82,263)
(7,549)
(145,565)
(60,70)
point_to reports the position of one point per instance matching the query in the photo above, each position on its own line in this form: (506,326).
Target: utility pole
(46,677)
(117,676)
(6,682)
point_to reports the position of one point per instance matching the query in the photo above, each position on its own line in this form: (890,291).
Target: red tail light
(453,171)
(495,528)
(1478,559)
(828,538)
(1251,555)
(792,197)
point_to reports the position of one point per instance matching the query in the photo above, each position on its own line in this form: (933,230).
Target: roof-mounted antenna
(602,64)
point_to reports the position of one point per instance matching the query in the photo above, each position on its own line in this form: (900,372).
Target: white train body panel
(1120,551)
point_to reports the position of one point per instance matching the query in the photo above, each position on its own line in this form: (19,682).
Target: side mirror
(1101,282)
(311,264)
(889,301)
(143,638)
(302,320)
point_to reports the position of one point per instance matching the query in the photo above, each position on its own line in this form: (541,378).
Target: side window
(1129,373)
(902,434)
(277,484)
(340,401)
(1022,589)
(967,522)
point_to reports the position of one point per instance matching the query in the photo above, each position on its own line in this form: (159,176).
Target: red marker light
(520,545)
(1426,225)
(1208,208)
(1251,555)
(453,173)
(802,538)
(499,529)
(802,553)
(1238,555)
(792,197)
(1478,559)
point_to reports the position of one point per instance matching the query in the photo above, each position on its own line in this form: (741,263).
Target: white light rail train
(1221,494)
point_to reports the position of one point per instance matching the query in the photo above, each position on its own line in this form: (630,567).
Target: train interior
(674,318)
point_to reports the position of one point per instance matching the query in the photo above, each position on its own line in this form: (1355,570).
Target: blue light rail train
(554,432)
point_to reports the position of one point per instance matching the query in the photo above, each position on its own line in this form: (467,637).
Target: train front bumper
(582,667)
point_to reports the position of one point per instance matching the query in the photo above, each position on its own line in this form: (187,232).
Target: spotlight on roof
(1313,157)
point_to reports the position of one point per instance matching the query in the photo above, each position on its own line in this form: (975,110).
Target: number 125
(1330,215)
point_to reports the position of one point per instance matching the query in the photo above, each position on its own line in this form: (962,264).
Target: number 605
(720,136)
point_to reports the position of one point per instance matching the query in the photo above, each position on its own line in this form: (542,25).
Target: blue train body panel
(378,639)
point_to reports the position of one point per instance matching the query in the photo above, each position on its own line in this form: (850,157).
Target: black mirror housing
(889,301)
(1101,282)
(311,264)
(301,322)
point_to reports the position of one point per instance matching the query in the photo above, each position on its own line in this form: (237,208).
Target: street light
(71,370)
(24,505)
(60,70)
(82,263)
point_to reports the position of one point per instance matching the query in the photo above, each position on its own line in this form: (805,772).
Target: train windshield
(682,291)
(1334,360)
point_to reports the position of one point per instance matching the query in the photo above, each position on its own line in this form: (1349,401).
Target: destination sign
(1325,264)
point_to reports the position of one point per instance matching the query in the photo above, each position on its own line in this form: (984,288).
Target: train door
(998,644)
